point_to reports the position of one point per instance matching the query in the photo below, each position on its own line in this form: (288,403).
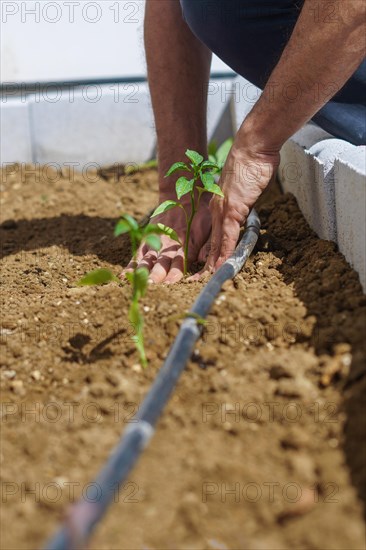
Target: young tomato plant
(200,180)
(138,278)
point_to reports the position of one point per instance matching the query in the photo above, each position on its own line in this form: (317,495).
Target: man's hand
(246,174)
(244,178)
(166,266)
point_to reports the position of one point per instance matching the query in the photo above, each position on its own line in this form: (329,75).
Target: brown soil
(261,444)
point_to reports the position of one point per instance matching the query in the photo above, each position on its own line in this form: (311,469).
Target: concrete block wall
(104,124)
(350,194)
(328,179)
(15,132)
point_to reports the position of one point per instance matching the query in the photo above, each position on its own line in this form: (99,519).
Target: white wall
(71,40)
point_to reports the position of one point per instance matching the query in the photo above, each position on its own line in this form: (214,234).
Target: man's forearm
(178,70)
(320,57)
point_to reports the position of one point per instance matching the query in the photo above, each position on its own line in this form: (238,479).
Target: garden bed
(283,348)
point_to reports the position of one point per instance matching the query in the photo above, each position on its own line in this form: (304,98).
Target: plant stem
(188,232)
(140,346)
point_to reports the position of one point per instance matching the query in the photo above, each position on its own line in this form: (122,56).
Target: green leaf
(164,207)
(126,224)
(207,179)
(175,167)
(214,189)
(131,169)
(183,186)
(194,157)
(97,277)
(223,151)
(169,232)
(209,165)
(212,148)
(122,227)
(161,229)
(153,163)
(150,228)
(212,159)
(153,241)
(131,221)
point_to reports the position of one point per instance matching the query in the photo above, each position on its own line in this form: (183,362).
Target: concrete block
(309,135)
(244,97)
(100,124)
(298,173)
(350,195)
(219,122)
(325,152)
(309,175)
(15,132)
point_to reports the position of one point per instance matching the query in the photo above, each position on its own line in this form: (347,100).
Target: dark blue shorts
(250,35)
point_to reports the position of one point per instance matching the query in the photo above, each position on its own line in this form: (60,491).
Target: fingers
(176,271)
(163,264)
(166,266)
(204,252)
(216,208)
(226,223)
(148,260)
(203,274)
(132,264)
(230,235)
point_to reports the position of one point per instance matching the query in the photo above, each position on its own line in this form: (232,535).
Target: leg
(178,73)
(250,35)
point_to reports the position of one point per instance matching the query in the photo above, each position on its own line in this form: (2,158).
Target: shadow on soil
(79,235)
(75,353)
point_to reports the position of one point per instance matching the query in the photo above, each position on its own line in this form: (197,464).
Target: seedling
(138,278)
(200,180)
(133,168)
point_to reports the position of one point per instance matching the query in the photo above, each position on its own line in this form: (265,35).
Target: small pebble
(10,374)
(6,332)
(136,368)
(295,438)
(36,375)
(18,387)
(97,390)
(146,309)
(304,505)
(346,360)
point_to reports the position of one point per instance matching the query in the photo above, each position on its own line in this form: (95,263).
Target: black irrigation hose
(84,515)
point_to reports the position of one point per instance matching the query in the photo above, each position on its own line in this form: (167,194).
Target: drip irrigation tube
(85,514)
